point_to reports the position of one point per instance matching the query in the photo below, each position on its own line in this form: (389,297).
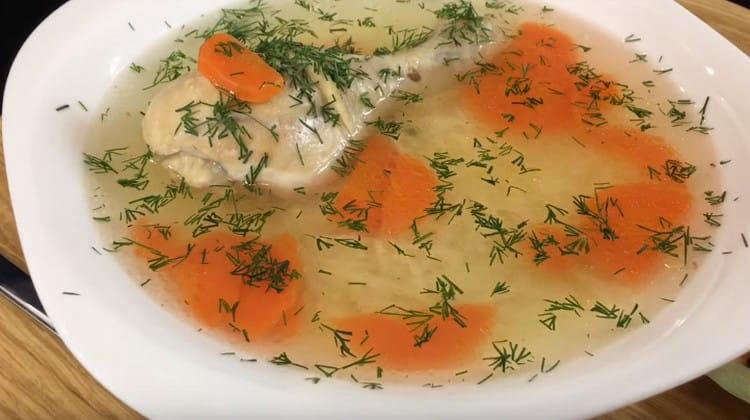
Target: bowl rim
(26,206)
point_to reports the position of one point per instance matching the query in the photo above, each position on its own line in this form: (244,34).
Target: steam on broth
(521,209)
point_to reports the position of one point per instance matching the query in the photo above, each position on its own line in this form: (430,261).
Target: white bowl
(163,368)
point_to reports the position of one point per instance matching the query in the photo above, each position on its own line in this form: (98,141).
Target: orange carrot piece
(208,288)
(266,313)
(634,147)
(231,66)
(409,193)
(393,339)
(367,182)
(206,283)
(541,84)
(211,292)
(647,204)
(400,184)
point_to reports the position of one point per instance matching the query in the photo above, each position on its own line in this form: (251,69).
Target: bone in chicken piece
(287,147)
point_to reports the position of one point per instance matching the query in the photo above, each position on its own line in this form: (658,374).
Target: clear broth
(342,281)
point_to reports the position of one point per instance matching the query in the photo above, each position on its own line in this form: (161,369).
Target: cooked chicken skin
(294,148)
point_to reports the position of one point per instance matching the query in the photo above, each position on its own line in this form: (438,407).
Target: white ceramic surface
(164,369)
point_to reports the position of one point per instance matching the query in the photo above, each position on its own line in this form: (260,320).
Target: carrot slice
(409,193)
(367,182)
(647,204)
(210,291)
(633,147)
(203,282)
(449,346)
(644,203)
(228,64)
(267,313)
(631,207)
(541,81)
(217,298)
(394,189)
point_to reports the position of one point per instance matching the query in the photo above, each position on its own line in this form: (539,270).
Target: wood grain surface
(10,247)
(39,378)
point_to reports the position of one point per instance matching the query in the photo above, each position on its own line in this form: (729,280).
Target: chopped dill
(405,39)
(328,206)
(446,290)
(254,263)
(341,338)
(372,385)
(170,68)
(500,288)
(504,239)
(222,122)
(365,100)
(549,317)
(475,76)
(366,22)
(463,24)
(135,68)
(509,356)
(385,73)
(407,97)
(400,250)
(715,199)
(348,158)
(390,129)
(283,360)
(98,165)
(312,129)
(415,320)
(600,212)
(623,318)
(549,369)
(712,219)
(632,38)
(485,379)
(671,240)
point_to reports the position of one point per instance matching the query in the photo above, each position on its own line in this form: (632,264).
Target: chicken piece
(207,137)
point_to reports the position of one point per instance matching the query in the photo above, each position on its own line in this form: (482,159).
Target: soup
(529,191)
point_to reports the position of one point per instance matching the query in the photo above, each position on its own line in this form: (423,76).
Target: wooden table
(39,378)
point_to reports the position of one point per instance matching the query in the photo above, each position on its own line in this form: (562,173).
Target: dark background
(20,17)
